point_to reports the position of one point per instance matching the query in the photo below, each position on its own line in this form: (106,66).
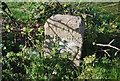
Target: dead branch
(109,45)
(106,52)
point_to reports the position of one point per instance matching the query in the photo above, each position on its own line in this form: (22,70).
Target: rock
(68,28)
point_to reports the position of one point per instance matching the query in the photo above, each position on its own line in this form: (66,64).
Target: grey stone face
(68,28)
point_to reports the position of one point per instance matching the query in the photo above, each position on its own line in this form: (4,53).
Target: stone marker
(68,28)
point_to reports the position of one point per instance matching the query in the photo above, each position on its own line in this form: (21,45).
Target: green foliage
(50,68)
(14,64)
(99,68)
(33,66)
(23,42)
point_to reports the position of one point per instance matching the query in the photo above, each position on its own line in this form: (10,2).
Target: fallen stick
(109,45)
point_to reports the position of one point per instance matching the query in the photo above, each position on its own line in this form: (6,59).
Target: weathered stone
(66,27)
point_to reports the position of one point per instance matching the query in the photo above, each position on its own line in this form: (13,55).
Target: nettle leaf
(30,30)
(114,26)
(7,26)
(37,41)
(40,29)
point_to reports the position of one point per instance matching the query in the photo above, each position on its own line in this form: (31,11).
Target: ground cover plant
(23,42)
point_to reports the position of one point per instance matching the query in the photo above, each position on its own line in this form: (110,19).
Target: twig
(106,52)
(109,45)
(116,53)
(58,3)
(111,41)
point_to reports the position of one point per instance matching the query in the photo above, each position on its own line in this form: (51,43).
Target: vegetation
(23,42)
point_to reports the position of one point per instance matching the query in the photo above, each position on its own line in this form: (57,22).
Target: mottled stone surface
(68,28)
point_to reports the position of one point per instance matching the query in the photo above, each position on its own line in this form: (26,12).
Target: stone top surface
(66,20)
